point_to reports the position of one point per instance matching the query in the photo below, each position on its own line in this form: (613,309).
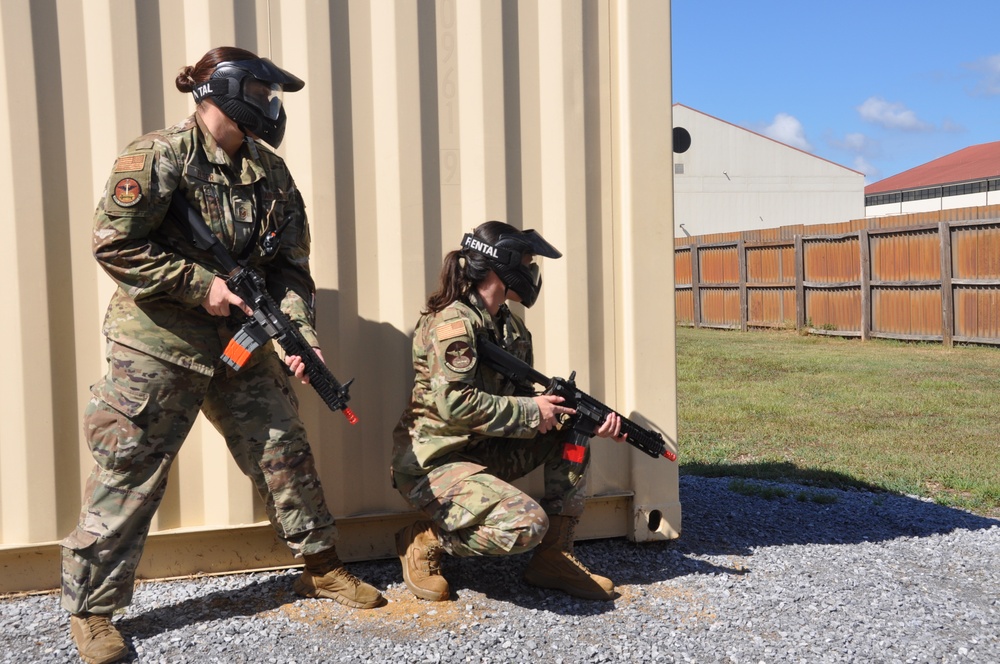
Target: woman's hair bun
(185,80)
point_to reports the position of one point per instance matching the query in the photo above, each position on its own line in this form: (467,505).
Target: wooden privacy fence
(928,282)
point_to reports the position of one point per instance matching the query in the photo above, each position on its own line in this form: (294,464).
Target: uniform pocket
(113,424)
(421,492)
(212,203)
(469,502)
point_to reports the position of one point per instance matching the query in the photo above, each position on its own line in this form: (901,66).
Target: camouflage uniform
(163,351)
(466,434)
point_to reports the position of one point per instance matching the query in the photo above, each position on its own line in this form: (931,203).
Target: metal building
(732,179)
(969,177)
(419,120)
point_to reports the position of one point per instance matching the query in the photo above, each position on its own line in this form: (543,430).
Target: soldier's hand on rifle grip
(298,367)
(551,411)
(611,428)
(220,298)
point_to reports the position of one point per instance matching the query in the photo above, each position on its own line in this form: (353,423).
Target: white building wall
(932,204)
(926,205)
(732,179)
(964,200)
(883,210)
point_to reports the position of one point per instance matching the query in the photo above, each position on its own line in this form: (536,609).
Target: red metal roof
(977,162)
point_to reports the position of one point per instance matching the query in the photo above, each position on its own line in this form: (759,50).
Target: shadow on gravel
(500,579)
(728,515)
(725,516)
(497,578)
(256,597)
(722,516)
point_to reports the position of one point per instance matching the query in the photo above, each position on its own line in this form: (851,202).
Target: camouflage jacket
(162,278)
(456,400)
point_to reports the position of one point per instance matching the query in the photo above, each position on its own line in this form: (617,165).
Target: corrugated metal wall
(684,292)
(904,306)
(975,257)
(828,265)
(419,120)
(770,285)
(933,276)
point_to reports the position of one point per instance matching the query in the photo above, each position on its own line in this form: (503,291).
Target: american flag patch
(456,328)
(130,162)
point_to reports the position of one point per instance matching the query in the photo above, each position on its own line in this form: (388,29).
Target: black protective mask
(247,92)
(505,256)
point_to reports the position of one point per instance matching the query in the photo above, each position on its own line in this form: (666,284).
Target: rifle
(590,413)
(268,321)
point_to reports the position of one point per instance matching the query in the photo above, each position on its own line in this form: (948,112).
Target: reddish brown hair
(463,270)
(190,76)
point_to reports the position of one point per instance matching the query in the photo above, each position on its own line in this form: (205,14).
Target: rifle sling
(199,232)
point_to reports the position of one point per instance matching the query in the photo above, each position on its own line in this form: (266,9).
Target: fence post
(866,289)
(800,290)
(696,280)
(947,290)
(741,261)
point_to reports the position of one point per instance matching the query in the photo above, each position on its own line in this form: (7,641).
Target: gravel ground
(818,575)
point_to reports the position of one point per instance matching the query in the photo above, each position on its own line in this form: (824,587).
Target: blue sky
(879,86)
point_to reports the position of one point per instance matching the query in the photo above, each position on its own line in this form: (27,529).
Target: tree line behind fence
(931,276)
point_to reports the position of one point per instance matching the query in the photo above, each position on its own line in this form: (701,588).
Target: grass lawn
(914,418)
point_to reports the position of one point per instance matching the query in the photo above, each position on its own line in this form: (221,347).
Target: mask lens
(265,96)
(535,273)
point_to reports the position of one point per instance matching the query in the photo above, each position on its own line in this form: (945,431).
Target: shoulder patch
(128,189)
(458,356)
(445,331)
(128,192)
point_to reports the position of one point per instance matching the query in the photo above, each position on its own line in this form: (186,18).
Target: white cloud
(891,115)
(857,143)
(787,129)
(989,67)
(952,127)
(861,149)
(872,172)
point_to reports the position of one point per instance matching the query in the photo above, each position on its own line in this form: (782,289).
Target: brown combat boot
(419,549)
(325,576)
(98,641)
(553,565)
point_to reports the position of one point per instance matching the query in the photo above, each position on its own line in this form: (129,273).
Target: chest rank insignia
(458,356)
(127,192)
(243,211)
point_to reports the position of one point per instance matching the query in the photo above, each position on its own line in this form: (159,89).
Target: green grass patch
(771,491)
(882,415)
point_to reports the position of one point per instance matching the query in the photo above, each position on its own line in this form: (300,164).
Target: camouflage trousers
(135,423)
(476,508)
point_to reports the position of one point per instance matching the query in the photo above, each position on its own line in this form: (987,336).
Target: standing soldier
(167,325)
(466,434)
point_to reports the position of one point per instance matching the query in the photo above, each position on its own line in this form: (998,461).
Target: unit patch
(130,162)
(459,356)
(127,192)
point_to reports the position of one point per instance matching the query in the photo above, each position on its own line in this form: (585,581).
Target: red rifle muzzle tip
(351,417)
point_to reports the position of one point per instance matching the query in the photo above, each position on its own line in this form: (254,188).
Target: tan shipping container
(419,120)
